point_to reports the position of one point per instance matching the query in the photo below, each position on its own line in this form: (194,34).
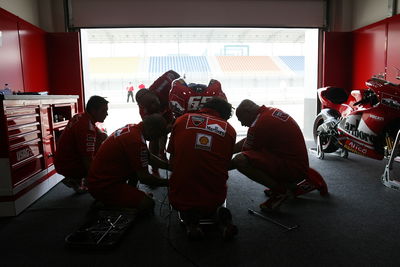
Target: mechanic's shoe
(315,178)
(274,202)
(194,232)
(78,186)
(268,192)
(228,229)
(229,232)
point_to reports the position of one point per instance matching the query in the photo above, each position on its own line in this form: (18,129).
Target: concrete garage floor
(356,225)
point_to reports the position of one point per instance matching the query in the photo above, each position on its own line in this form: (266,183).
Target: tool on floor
(288,228)
(112,226)
(102,229)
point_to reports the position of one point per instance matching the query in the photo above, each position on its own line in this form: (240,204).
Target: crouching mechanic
(155,100)
(122,161)
(79,143)
(201,147)
(274,152)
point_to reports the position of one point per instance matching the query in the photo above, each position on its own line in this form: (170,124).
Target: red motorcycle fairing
(185,98)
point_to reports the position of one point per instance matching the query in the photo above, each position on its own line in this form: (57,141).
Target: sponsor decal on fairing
(355,127)
(372,116)
(355,147)
(196,102)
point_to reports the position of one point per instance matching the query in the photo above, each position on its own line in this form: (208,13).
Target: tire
(328,143)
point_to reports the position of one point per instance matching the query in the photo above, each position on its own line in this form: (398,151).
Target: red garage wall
(350,59)
(10,63)
(23,63)
(65,65)
(35,61)
(369,53)
(34,57)
(336,67)
(393,49)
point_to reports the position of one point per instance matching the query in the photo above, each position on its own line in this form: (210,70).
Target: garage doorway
(274,67)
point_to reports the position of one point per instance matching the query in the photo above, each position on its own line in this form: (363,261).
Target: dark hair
(142,92)
(221,106)
(95,102)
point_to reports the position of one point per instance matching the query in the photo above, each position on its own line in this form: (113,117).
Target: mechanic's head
(97,107)
(247,112)
(154,126)
(221,106)
(148,100)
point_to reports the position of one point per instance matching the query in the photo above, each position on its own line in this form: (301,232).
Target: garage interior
(357,224)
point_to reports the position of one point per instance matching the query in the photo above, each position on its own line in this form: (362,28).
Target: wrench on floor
(288,228)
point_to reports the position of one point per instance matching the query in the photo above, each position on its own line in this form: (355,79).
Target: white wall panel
(26,9)
(366,12)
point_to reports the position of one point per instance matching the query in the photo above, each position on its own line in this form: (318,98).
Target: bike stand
(318,151)
(387,180)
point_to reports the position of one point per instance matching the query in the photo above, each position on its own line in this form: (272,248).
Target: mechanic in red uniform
(79,142)
(201,147)
(274,152)
(123,160)
(130,90)
(155,100)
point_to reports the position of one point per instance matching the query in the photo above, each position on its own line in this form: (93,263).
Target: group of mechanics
(200,151)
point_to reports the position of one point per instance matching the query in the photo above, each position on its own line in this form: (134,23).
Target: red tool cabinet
(30,126)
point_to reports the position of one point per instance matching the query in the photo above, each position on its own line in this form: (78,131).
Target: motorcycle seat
(336,95)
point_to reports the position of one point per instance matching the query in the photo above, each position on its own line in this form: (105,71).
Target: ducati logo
(197,120)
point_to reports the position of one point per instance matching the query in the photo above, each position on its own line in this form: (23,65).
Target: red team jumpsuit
(275,144)
(161,88)
(201,147)
(118,159)
(78,140)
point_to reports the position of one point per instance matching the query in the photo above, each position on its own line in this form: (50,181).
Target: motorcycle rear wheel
(327,142)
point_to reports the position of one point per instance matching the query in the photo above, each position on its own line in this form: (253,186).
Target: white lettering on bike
(376,117)
(356,148)
(196,102)
(352,129)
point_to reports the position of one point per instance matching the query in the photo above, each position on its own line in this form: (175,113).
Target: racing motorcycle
(364,122)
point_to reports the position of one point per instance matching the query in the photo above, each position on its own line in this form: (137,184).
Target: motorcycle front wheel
(327,142)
